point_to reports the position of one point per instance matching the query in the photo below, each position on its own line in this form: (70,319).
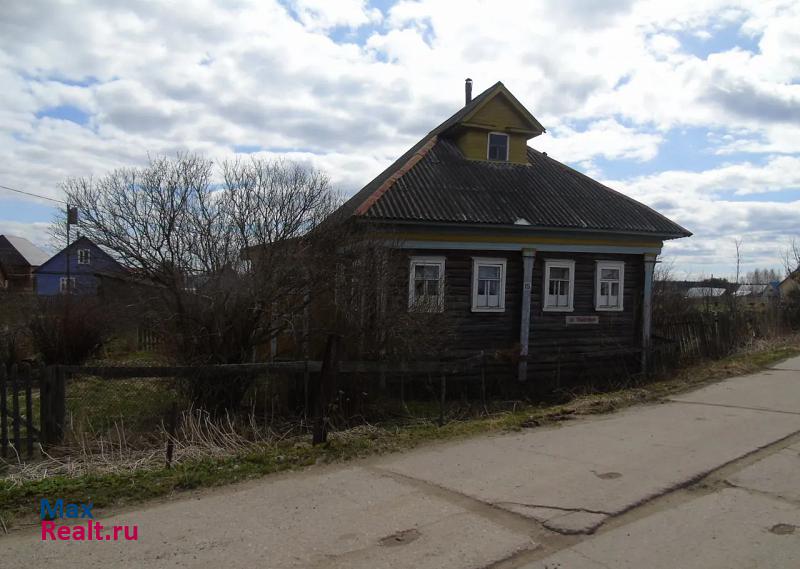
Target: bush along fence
(80,404)
(711,335)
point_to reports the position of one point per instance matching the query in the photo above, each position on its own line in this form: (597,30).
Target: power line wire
(32,194)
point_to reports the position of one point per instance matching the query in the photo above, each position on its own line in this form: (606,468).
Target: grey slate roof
(350,206)
(29,252)
(445,187)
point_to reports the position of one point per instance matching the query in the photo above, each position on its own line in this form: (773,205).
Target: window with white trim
(426,284)
(84,256)
(497,147)
(609,285)
(66,285)
(559,282)
(488,285)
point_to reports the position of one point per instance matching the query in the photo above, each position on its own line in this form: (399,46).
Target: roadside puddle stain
(783,529)
(607,475)
(403,537)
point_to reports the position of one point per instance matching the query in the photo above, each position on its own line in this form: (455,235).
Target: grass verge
(19,503)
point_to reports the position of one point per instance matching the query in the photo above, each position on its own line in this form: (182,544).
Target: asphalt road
(705,480)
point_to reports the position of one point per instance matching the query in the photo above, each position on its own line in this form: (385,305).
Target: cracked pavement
(704,479)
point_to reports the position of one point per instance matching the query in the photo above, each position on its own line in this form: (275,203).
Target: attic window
(84,256)
(498,147)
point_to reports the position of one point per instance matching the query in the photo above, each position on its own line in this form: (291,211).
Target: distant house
(520,251)
(87,264)
(789,284)
(18,259)
(705,292)
(757,293)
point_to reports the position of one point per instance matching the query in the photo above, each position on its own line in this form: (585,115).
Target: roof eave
(514,227)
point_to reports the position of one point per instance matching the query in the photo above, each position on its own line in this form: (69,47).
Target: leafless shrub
(373,312)
(67,330)
(225,265)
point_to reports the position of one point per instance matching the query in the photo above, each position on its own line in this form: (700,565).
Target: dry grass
(209,452)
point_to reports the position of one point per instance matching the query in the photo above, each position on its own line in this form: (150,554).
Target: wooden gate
(17,431)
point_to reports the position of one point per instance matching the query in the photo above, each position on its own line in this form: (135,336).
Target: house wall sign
(583,320)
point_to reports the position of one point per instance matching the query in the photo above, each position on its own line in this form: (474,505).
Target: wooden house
(76,269)
(790,284)
(19,258)
(523,252)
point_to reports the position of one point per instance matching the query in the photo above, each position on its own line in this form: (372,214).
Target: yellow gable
(496,112)
(499,114)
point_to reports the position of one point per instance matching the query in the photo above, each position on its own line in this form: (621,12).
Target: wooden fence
(711,335)
(318,382)
(17,429)
(148,339)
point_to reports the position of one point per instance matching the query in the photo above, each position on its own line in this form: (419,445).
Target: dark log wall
(557,350)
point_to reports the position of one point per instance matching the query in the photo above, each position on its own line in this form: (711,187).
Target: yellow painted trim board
(516,239)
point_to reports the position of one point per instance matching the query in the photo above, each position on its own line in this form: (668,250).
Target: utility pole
(72,218)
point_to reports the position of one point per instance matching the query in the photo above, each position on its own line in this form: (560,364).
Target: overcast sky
(690,106)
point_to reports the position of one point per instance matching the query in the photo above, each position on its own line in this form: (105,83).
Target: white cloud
(721,204)
(605,138)
(37,233)
(210,75)
(324,14)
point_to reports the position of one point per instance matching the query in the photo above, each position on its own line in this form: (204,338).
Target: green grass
(95,404)
(19,503)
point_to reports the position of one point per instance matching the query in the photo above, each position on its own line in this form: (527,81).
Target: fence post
(3,413)
(15,406)
(53,402)
(172,427)
(323,391)
(26,380)
(443,391)
(483,382)
(45,387)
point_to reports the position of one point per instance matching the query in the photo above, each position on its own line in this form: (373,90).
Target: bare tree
(761,276)
(733,299)
(791,257)
(227,263)
(371,303)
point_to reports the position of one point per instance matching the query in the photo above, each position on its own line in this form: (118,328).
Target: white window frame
(88,254)
(559,264)
(65,288)
(599,266)
(412,303)
(490,262)
(508,145)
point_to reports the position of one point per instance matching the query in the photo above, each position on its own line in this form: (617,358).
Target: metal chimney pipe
(467,90)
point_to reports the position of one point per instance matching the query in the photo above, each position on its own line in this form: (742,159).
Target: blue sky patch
(28,211)
(685,149)
(782,196)
(246,148)
(722,39)
(66,113)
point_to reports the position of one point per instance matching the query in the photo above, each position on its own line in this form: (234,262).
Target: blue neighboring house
(87,263)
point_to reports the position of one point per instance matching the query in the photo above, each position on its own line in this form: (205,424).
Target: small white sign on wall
(583,320)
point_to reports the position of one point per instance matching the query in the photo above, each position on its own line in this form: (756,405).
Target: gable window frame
(599,303)
(66,285)
(493,262)
(547,305)
(414,303)
(84,256)
(489,146)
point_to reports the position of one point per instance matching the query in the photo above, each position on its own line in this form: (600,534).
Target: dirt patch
(403,537)
(607,475)
(782,529)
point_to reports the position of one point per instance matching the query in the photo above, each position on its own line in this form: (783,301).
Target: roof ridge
(396,175)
